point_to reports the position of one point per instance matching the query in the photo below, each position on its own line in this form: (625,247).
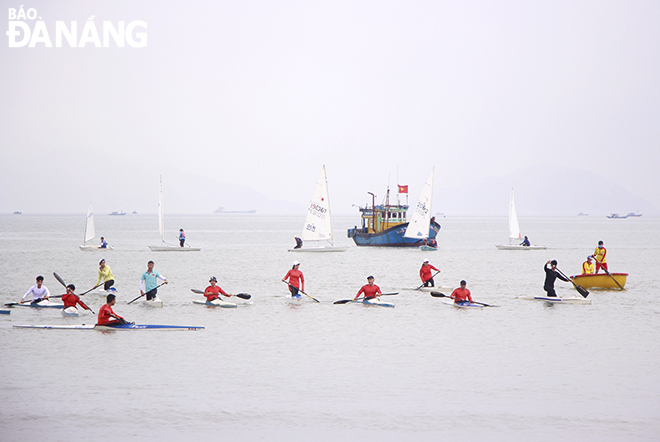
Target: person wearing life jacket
(106,275)
(525,242)
(588,266)
(426,275)
(104,243)
(213,291)
(70,299)
(461,294)
(107,316)
(600,255)
(370,290)
(39,291)
(296,280)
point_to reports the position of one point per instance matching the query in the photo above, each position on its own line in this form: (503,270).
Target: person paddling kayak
(149,282)
(551,275)
(296,280)
(461,294)
(105,274)
(370,290)
(70,299)
(426,275)
(213,291)
(106,314)
(39,291)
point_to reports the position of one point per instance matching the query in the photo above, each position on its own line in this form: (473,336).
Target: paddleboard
(557,300)
(374,301)
(105,327)
(215,303)
(466,304)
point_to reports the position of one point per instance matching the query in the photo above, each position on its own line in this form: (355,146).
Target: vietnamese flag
(403,189)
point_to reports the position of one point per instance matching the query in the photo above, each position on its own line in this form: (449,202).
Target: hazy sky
(261,94)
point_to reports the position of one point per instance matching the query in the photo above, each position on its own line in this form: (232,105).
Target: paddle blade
(244,295)
(343,301)
(59,279)
(439,295)
(581,290)
(389,294)
(201,292)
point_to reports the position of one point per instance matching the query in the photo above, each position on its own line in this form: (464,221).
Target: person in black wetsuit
(551,275)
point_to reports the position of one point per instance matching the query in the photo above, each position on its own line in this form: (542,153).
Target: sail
(161,222)
(421,218)
(89,226)
(514,228)
(318,224)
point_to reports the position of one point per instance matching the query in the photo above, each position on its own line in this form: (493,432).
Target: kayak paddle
(426,281)
(442,295)
(345,301)
(239,295)
(141,295)
(64,284)
(302,292)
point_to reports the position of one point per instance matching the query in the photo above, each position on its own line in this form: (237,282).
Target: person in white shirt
(39,291)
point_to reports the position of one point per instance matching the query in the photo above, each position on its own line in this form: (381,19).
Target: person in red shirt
(296,280)
(461,294)
(426,275)
(213,291)
(106,314)
(70,299)
(369,290)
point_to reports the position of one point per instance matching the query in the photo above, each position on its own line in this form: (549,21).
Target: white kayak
(42,304)
(373,301)
(70,311)
(215,303)
(116,327)
(434,289)
(466,304)
(557,300)
(154,302)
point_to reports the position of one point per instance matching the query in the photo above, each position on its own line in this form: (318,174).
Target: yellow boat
(600,280)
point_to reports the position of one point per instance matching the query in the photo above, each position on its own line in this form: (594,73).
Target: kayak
(433,289)
(70,311)
(601,280)
(374,301)
(43,304)
(215,303)
(155,302)
(557,300)
(117,327)
(466,304)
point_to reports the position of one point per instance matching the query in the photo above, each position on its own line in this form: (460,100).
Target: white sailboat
(318,224)
(420,222)
(515,237)
(164,246)
(90,234)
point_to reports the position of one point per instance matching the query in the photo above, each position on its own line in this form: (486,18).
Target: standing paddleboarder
(551,274)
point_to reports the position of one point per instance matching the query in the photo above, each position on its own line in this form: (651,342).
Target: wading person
(149,282)
(426,275)
(296,280)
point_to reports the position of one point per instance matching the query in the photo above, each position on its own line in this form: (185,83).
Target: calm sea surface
(271,370)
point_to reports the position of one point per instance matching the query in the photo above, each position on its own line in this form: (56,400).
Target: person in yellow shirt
(600,255)
(588,266)
(105,274)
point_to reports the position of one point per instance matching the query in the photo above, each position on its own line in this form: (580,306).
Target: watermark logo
(27,29)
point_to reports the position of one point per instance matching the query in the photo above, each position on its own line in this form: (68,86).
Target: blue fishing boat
(385,225)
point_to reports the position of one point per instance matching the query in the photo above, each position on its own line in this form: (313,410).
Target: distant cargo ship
(118,213)
(20,213)
(222,210)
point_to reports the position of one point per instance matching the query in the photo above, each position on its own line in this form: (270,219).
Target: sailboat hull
(519,247)
(174,249)
(392,237)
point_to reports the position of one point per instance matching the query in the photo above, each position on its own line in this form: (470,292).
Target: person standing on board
(461,294)
(39,291)
(70,299)
(525,242)
(370,290)
(104,243)
(149,281)
(551,275)
(106,314)
(296,280)
(588,266)
(600,255)
(182,237)
(213,291)
(105,274)
(426,275)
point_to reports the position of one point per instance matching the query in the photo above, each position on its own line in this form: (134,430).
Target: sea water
(276,370)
